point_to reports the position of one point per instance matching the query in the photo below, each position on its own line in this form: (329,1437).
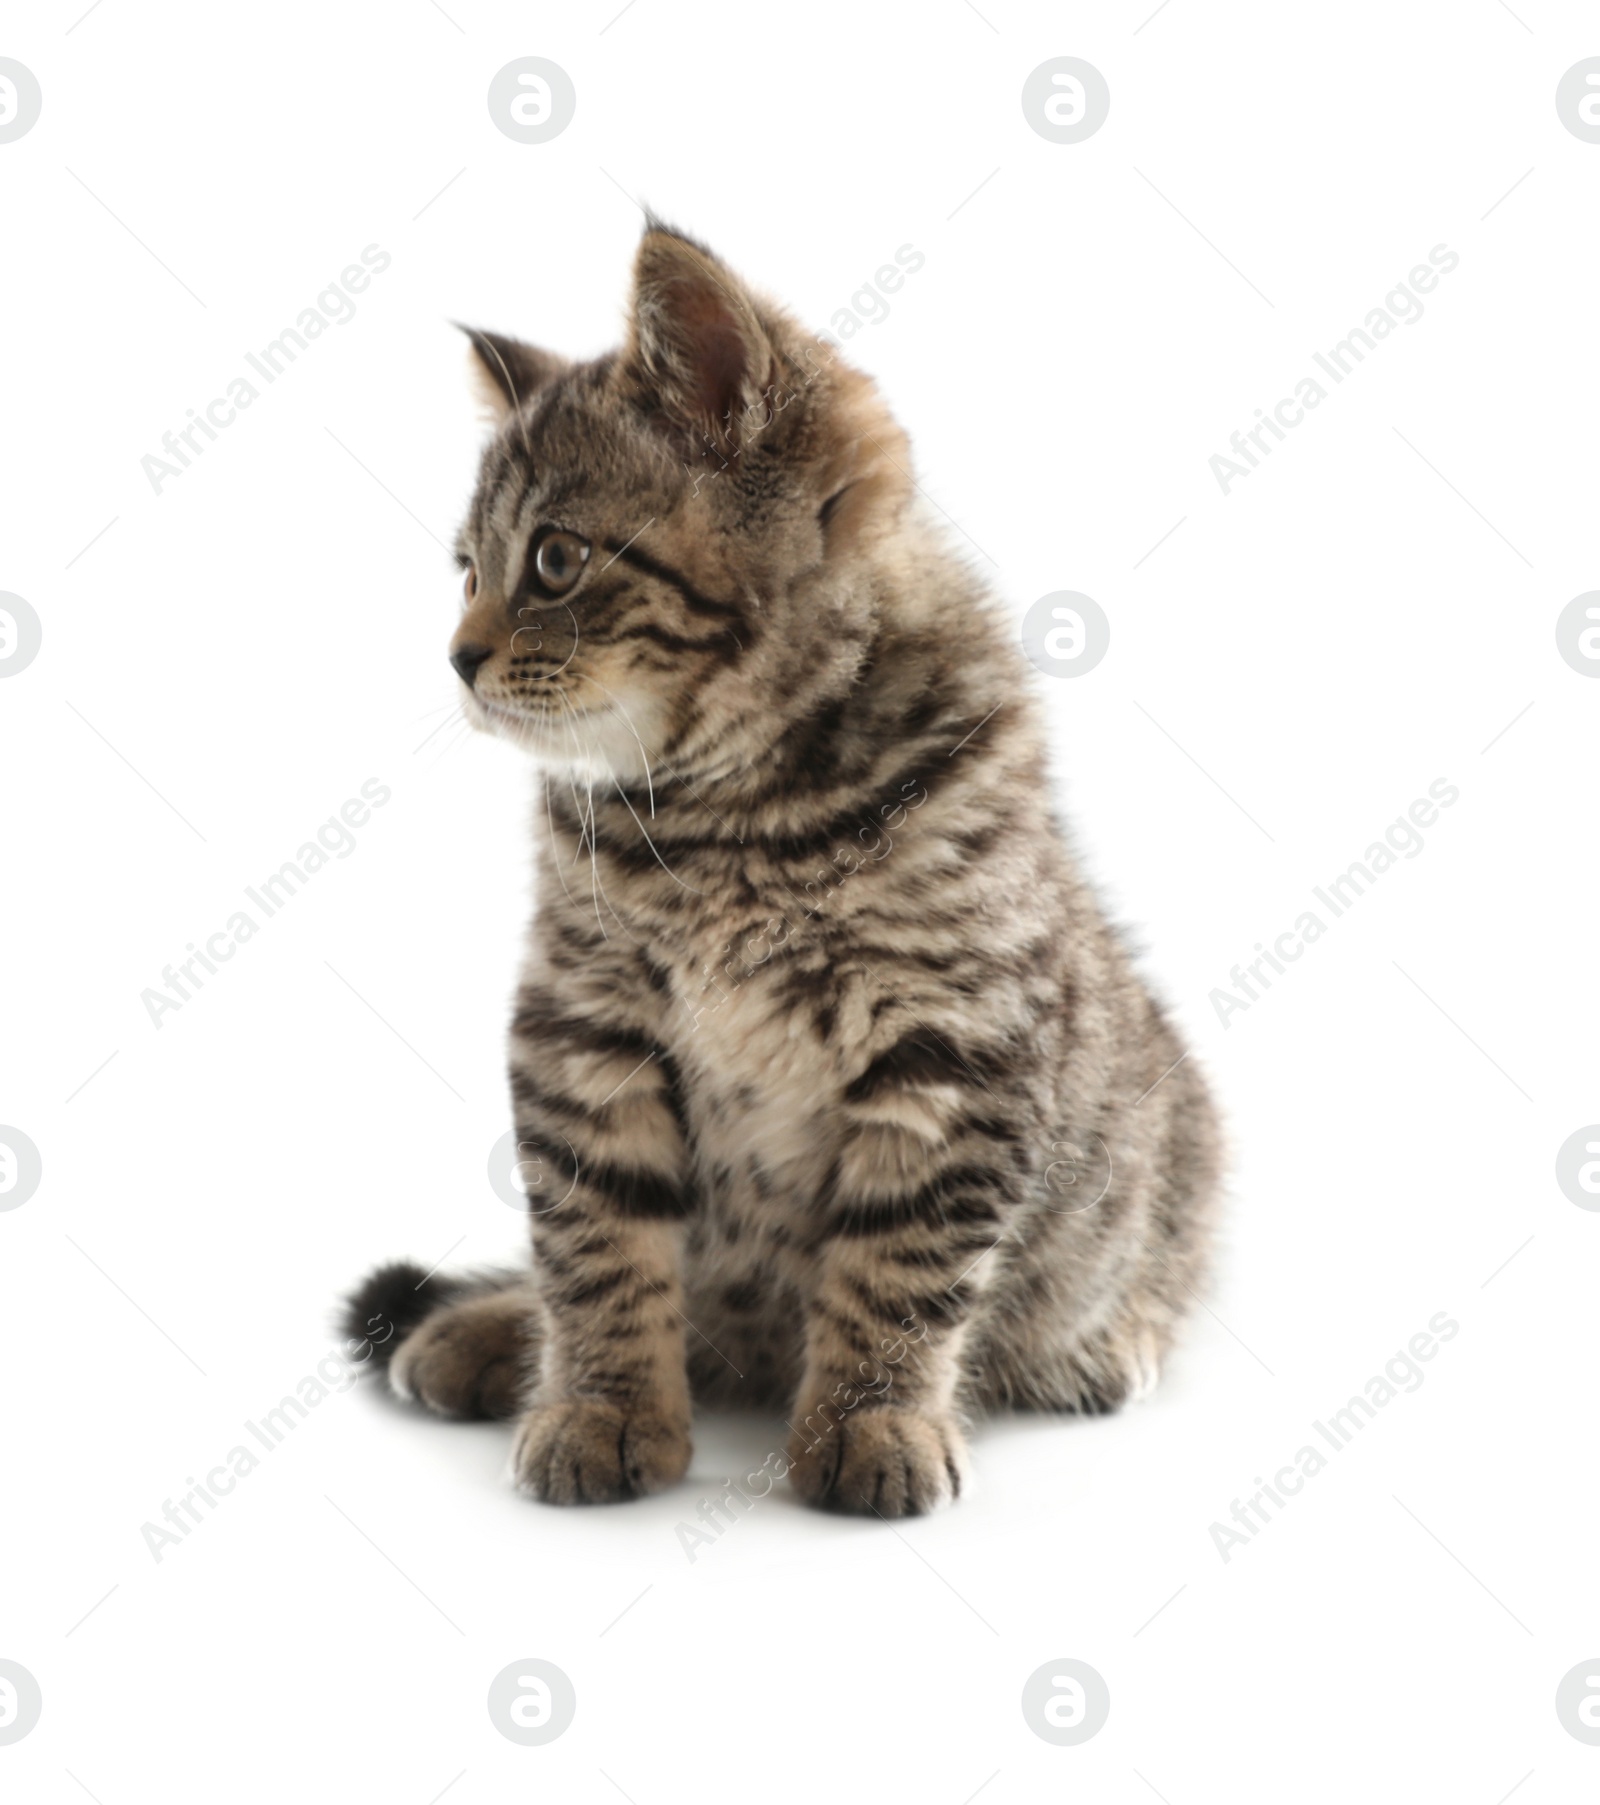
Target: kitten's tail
(390,1302)
(463,1345)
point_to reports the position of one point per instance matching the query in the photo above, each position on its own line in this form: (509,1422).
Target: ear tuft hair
(653,222)
(509,373)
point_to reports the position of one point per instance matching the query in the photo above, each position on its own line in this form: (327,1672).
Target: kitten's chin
(541,733)
(590,743)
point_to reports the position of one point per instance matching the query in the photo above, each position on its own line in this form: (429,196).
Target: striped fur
(845,1097)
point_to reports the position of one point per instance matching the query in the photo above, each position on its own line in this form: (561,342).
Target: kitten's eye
(559,560)
(472,581)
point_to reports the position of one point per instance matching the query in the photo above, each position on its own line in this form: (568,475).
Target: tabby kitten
(836,1090)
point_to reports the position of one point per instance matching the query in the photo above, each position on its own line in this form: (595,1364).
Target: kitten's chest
(761,1081)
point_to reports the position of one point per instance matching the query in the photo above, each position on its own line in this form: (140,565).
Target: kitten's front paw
(583,1451)
(889,1461)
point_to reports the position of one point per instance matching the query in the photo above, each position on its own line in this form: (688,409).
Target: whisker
(464,732)
(594,857)
(516,400)
(440,726)
(651,843)
(570,723)
(544,784)
(585,808)
(585,677)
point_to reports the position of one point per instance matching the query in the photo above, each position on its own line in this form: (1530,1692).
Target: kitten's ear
(509,373)
(696,345)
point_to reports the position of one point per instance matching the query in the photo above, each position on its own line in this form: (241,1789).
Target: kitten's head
(664,556)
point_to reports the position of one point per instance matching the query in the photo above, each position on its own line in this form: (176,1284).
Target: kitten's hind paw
(471,1359)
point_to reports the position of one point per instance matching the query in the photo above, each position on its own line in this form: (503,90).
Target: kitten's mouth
(561,732)
(545,729)
(543,715)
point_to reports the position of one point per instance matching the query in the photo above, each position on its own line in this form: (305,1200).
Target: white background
(1288,671)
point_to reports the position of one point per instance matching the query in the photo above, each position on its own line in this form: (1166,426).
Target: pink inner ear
(718,355)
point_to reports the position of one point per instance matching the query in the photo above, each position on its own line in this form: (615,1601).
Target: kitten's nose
(467,658)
